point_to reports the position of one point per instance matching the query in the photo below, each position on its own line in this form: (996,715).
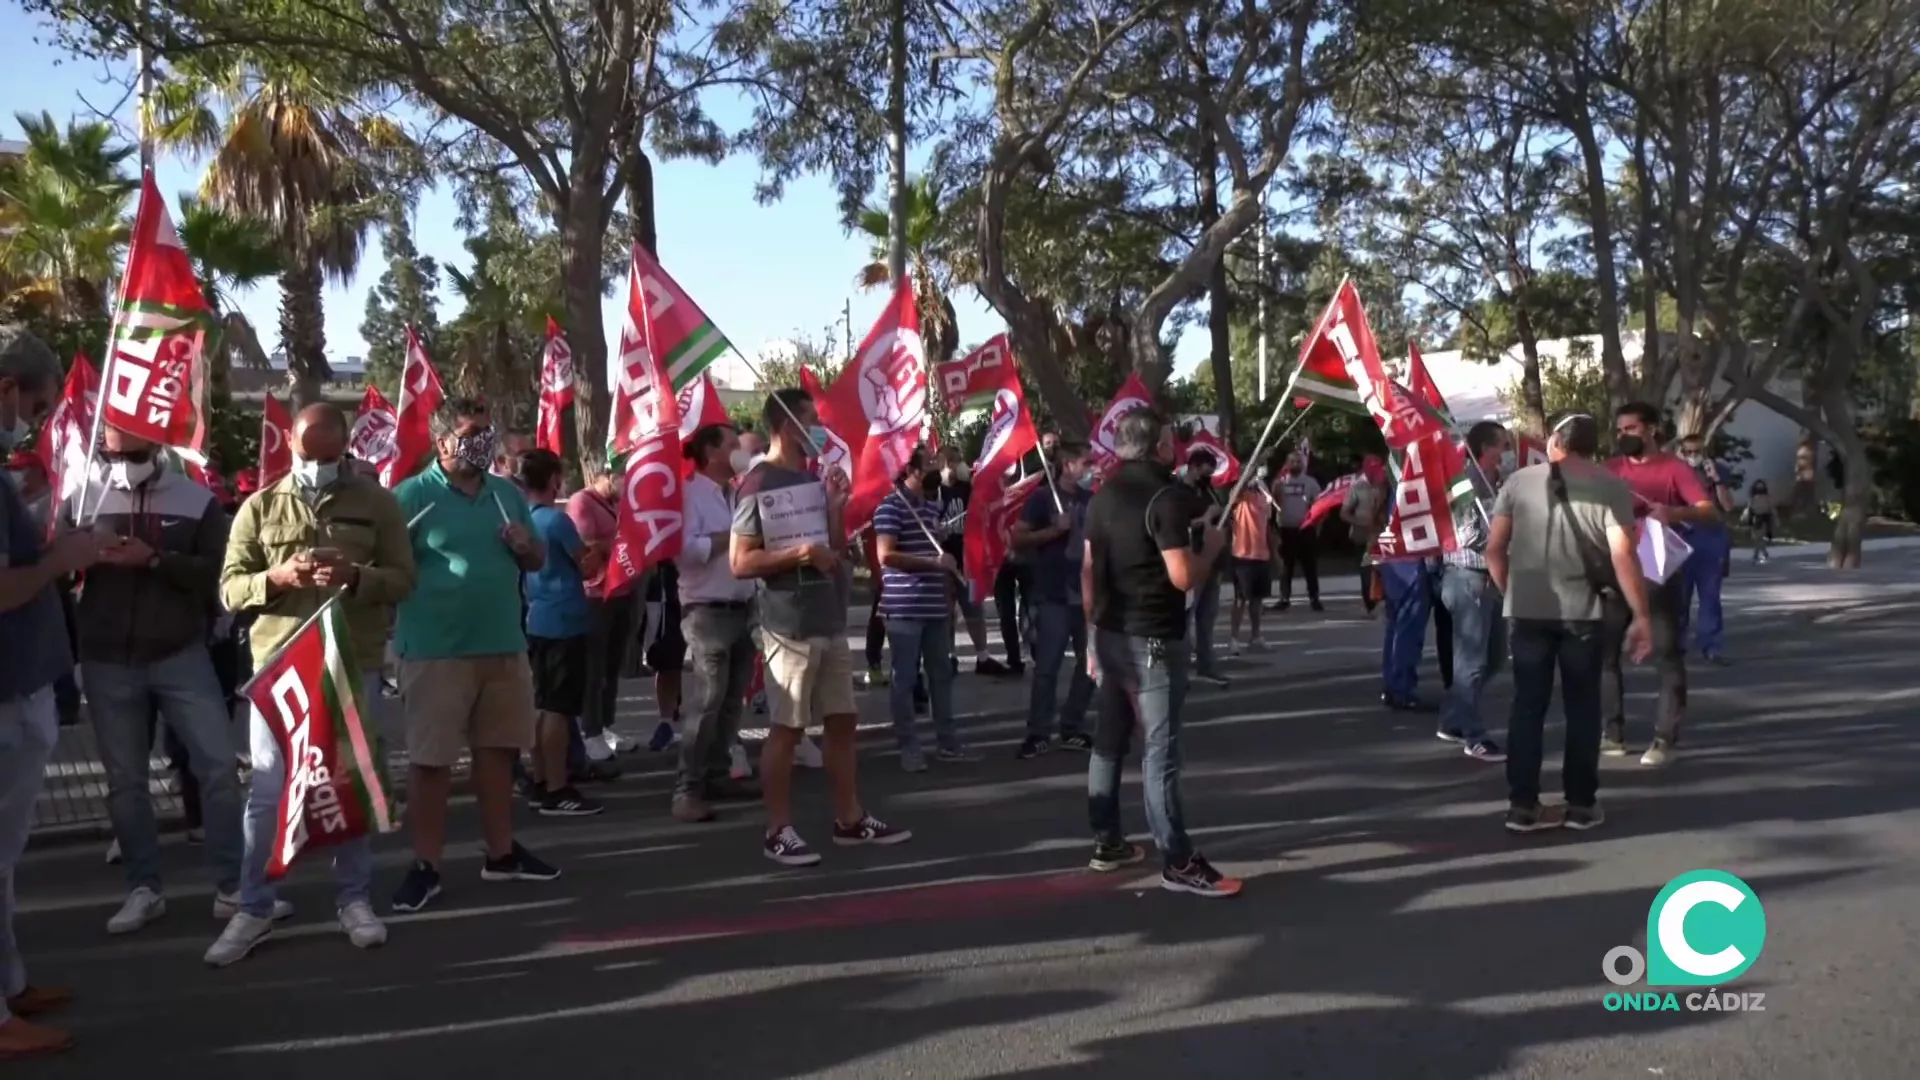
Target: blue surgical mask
(822,442)
(314,475)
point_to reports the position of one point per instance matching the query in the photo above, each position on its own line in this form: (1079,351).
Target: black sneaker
(1199,878)
(1525,819)
(869,830)
(1485,750)
(1317,606)
(519,865)
(422,884)
(1110,857)
(1079,740)
(786,848)
(1033,746)
(568,802)
(1583,818)
(987,665)
(1410,704)
(1016,667)
(531,790)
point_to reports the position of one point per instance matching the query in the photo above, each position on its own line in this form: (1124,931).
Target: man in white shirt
(717,622)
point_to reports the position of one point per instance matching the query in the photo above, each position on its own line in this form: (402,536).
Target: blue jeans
(913,641)
(1144,681)
(1701,575)
(1055,625)
(28,728)
(1479,647)
(1540,648)
(188,693)
(352,861)
(1206,609)
(1409,605)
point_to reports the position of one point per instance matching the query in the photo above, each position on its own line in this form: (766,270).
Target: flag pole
(1051,486)
(106,365)
(922,522)
(263,668)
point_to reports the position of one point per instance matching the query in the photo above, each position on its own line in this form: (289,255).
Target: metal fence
(75,793)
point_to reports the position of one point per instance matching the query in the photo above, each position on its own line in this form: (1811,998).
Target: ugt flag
(556,389)
(374,425)
(308,696)
(883,394)
(276,442)
(1132,396)
(156,370)
(420,394)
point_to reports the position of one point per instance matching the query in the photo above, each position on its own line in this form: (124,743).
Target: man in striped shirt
(1473,601)
(916,577)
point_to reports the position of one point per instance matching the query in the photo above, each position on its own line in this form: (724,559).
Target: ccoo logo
(1705,927)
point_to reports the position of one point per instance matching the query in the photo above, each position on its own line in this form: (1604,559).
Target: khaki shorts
(482,702)
(808,679)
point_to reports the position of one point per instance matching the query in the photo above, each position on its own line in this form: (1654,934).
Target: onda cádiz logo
(1706,928)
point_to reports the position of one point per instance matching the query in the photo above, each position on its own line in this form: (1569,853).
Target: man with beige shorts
(464,678)
(789,532)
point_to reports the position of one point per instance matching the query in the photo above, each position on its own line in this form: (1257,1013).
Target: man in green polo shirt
(464,679)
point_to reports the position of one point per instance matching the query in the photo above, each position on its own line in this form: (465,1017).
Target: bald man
(322,527)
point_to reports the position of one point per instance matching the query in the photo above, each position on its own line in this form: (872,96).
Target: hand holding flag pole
(1051,486)
(924,531)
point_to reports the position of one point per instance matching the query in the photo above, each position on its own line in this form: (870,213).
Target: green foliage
(404,296)
(62,216)
(1894,449)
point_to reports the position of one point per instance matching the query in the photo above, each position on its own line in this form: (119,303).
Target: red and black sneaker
(1199,878)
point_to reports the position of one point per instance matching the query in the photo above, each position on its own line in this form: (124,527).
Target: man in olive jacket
(321,529)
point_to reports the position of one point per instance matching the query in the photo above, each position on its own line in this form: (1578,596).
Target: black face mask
(1630,445)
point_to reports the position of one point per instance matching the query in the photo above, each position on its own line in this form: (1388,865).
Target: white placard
(1661,551)
(793,517)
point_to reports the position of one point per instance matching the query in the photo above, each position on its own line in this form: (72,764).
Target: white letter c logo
(1673,933)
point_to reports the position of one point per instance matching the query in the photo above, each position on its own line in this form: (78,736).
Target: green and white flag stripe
(1336,395)
(358,747)
(695,354)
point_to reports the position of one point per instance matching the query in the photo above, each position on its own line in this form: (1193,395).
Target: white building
(1480,391)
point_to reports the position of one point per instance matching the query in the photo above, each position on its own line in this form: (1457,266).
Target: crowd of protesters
(480,584)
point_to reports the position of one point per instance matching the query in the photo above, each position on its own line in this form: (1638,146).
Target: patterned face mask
(475,451)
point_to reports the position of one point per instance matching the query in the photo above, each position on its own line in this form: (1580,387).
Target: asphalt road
(1390,927)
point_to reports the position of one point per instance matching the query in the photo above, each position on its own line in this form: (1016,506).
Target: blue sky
(761,272)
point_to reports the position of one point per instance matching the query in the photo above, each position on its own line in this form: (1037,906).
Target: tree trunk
(1029,323)
(303,332)
(1220,301)
(1533,399)
(582,245)
(897,141)
(1599,197)
(1835,402)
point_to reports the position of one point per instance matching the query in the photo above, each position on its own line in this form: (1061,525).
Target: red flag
(308,695)
(842,448)
(556,388)
(1226,467)
(991,512)
(1329,500)
(972,381)
(1422,385)
(1430,479)
(1131,396)
(700,406)
(373,430)
(1529,451)
(646,427)
(276,442)
(62,445)
(884,394)
(420,395)
(156,373)
(1339,361)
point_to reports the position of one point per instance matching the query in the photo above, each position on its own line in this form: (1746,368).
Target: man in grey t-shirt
(1294,493)
(1561,549)
(789,533)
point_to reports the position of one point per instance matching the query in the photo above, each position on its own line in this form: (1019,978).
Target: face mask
(1630,445)
(315,474)
(127,475)
(822,442)
(1509,463)
(476,451)
(740,461)
(958,474)
(1086,481)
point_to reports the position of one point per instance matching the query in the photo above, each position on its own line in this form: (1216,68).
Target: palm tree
(62,217)
(927,262)
(292,149)
(230,253)
(494,339)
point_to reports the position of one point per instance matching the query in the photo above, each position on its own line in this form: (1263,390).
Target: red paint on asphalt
(966,899)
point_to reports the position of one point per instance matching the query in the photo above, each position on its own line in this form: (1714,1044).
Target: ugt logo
(1706,927)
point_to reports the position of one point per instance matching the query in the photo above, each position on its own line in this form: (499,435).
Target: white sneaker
(807,754)
(598,750)
(227,905)
(363,927)
(620,742)
(741,768)
(142,907)
(243,932)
